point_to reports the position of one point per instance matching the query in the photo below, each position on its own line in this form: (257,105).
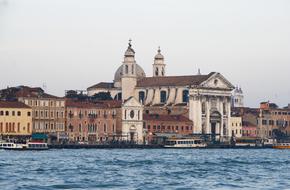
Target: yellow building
(236,126)
(15,119)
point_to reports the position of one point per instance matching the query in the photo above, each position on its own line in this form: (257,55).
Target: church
(204,99)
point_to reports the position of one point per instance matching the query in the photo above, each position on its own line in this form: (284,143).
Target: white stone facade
(238,98)
(132,121)
(207,97)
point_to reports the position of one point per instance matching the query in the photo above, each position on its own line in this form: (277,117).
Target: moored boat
(185,143)
(282,146)
(27,146)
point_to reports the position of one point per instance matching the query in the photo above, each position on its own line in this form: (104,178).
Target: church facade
(204,99)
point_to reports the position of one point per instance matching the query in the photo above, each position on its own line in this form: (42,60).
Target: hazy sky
(73,44)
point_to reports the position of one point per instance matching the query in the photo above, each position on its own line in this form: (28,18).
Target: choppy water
(145,169)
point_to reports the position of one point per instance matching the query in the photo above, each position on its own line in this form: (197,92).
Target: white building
(238,98)
(206,99)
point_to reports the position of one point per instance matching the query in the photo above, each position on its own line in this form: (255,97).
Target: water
(145,169)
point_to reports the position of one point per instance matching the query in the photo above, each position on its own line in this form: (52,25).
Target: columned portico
(209,109)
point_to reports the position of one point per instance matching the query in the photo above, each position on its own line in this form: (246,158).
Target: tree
(102,96)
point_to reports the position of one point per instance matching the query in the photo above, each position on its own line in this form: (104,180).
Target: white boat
(10,146)
(185,143)
(27,146)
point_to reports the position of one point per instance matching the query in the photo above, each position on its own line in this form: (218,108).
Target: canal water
(145,169)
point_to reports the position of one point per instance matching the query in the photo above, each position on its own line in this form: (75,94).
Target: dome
(159,55)
(140,73)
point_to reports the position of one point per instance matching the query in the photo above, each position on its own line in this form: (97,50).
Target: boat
(27,146)
(269,143)
(282,146)
(246,142)
(185,143)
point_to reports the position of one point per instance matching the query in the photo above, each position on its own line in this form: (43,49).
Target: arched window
(163,96)
(141,96)
(156,72)
(185,96)
(105,128)
(163,71)
(118,96)
(132,69)
(126,69)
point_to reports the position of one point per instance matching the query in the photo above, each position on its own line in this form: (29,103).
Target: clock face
(132,114)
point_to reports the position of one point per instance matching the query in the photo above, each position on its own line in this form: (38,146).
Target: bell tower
(129,77)
(159,65)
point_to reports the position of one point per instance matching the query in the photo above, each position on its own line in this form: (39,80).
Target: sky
(73,44)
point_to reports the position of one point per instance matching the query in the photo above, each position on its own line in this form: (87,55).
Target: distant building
(273,121)
(237,97)
(236,126)
(249,129)
(204,99)
(48,111)
(15,120)
(171,124)
(93,122)
(268,121)
(132,121)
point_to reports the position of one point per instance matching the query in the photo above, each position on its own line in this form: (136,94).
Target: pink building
(249,129)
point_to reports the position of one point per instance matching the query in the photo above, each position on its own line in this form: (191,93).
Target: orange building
(93,122)
(174,124)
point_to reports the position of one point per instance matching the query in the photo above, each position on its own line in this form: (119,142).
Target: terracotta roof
(14,104)
(31,92)
(168,118)
(110,103)
(173,80)
(102,85)
(99,104)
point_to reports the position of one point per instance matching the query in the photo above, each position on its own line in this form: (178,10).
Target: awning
(39,136)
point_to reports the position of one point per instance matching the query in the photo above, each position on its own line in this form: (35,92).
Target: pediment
(217,81)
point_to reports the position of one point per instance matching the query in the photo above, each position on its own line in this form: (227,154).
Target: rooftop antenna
(44,87)
(198,72)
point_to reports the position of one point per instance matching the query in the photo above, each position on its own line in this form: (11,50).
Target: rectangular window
(163,96)
(28,127)
(29,114)
(19,113)
(264,122)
